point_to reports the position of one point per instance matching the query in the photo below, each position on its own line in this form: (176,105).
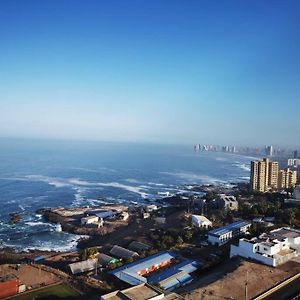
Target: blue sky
(156,71)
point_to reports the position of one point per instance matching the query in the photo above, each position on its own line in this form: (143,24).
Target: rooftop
(201,218)
(140,292)
(228,228)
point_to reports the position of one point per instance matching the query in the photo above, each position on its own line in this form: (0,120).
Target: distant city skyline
(211,72)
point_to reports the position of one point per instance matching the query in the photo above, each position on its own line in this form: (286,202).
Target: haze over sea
(36,174)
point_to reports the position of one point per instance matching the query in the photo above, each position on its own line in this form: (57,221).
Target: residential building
(266,175)
(274,248)
(227,202)
(144,271)
(259,175)
(222,235)
(122,252)
(273,174)
(143,291)
(287,178)
(201,221)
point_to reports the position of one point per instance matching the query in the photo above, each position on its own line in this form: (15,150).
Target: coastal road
(283,291)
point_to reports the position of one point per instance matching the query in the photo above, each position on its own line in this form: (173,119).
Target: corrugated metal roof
(184,278)
(122,252)
(171,284)
(129,272)
(83,266)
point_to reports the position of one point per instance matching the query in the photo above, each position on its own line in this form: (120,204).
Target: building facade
(265,175)
(274,248)
(201,221)
(222,235)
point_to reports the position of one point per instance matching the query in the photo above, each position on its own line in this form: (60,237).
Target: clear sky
(157,70)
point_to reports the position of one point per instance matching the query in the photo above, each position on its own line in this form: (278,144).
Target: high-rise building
(259,175)
(295,154)
(273,174)
(266,175)
(287,178)
(269,150)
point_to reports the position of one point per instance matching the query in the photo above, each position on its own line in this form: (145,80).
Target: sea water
(36,174)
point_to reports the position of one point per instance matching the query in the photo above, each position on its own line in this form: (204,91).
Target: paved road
(288,292)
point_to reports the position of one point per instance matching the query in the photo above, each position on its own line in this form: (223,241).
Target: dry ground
(29,275)
(228,282)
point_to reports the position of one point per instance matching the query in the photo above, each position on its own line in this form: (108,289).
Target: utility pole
(246,286)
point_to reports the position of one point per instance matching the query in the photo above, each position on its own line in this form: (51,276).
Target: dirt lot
(31,276)
(228,282)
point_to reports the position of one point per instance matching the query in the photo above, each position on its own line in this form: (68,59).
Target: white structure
(227,202)
(222,235)
(293,162)
(89,220)
(201,221)
(273,249)
(151,207)
(124,215)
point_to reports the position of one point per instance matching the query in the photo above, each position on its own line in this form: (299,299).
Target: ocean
(36,174)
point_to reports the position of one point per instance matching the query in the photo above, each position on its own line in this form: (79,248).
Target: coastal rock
(14,218)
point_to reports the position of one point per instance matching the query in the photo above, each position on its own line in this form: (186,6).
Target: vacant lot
(31,276)
(229,280)
(57,292)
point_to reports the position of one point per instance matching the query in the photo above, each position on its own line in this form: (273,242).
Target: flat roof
(228,228)
(140,292)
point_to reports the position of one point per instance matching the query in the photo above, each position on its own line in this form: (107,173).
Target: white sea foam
(194,178)
(54,181)
(242,166)
(36,223)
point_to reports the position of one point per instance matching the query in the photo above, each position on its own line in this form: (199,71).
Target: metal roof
(129,272)
(83,266)
(122,252)
(228,228)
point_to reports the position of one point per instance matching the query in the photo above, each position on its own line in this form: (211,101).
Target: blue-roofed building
(175,275)
(222,235)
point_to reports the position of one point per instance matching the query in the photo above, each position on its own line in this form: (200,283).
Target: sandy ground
(29,275)
(228,282)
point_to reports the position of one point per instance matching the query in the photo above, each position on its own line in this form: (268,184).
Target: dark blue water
(36,174)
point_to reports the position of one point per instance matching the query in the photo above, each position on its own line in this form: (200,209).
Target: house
(143,291)
(122,252)
(201,221)
(89,220)
(83,266)
(273,248)
(144,271)
(227,202)
(222,235)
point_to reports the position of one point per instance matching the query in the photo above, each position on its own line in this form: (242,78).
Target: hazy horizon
(166,72)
